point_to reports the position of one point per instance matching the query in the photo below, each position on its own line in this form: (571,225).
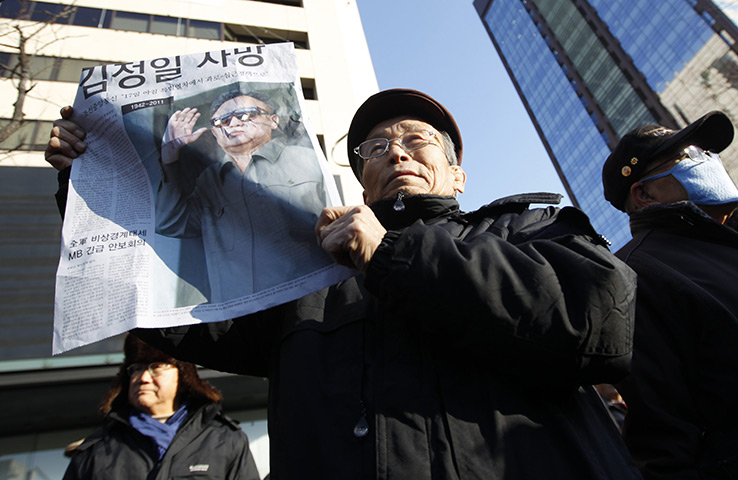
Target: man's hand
(350,235)
(66,142)
(179,133)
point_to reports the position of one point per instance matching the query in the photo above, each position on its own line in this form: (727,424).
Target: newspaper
(196,198)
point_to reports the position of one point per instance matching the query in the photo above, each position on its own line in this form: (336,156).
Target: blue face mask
(703,176)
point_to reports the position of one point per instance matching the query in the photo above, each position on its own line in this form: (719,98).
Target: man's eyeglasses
(243,114)
(155,369)
(695,154)
(410,141)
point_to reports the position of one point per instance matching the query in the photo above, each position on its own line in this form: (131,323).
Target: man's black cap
(393,103)
(635,151)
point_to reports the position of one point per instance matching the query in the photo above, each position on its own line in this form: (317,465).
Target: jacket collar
(401,211)
(526,199)
(680,217)
(433,208)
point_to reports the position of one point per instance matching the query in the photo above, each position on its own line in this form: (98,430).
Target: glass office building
(589,71)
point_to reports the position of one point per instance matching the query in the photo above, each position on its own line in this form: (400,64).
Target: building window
(42,68)
(45,12)
(708,18)
(203,29)
(87,17)
(308,88)
(32,135)
(55,69)
(70,69)
(166,25)
(260,35)
(11,9)
(133,22)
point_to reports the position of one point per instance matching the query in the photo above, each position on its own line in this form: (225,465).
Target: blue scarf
(161,433)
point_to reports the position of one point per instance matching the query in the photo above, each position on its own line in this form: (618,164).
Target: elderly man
(682,391)
(162,421)
(431,363)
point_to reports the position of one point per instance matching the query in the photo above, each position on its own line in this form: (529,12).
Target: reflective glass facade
(669,34)
(589,71)
(560,112)
(599,72)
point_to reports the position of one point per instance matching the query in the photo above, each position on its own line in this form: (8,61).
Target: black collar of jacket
(515,204)
(435,207)
(528,198)
(684,218)
(428,208)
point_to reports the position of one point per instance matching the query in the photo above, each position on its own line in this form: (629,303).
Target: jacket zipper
(362,426)
(399,205)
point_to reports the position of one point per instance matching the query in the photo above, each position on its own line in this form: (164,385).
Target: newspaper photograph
(196,198)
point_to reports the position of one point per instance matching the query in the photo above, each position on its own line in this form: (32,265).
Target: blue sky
(441,47)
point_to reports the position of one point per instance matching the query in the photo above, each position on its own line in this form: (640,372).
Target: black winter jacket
(466,353)
(207,445)
(682,395)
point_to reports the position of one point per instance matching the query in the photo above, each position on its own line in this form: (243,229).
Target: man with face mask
(682,390)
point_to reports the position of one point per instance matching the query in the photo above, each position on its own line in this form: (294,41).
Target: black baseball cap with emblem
(393,103)
(629,160)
